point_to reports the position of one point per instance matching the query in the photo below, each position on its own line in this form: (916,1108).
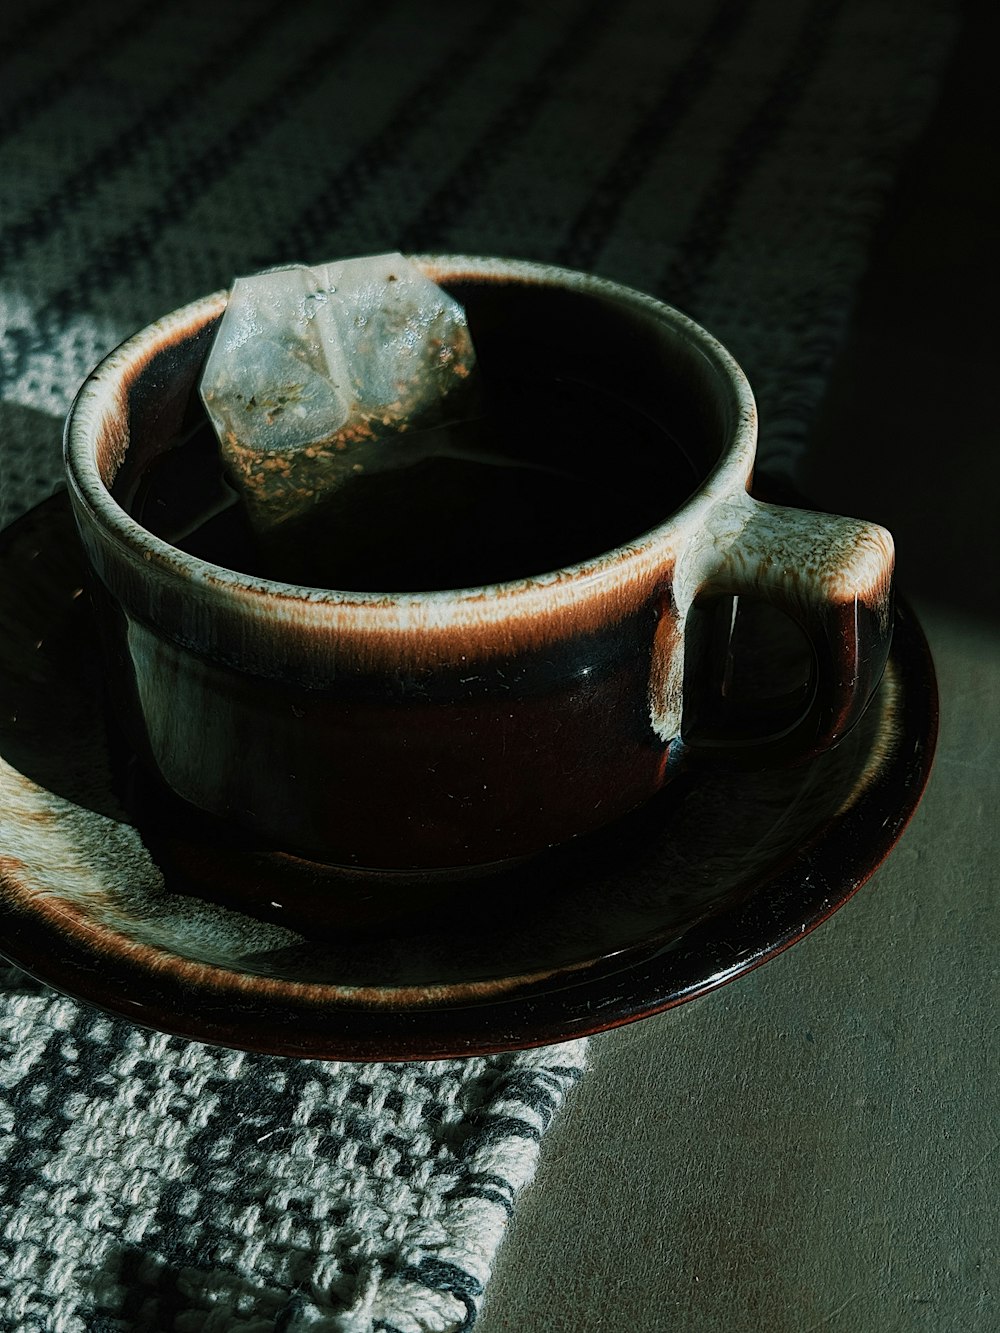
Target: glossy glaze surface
(492,722)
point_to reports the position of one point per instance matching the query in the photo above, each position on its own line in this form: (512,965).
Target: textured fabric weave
(730,157)
(155,1183)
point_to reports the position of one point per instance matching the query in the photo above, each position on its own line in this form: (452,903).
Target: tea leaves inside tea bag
(317,375)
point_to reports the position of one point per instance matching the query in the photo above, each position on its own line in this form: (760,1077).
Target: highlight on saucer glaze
(490,722)
(167,928)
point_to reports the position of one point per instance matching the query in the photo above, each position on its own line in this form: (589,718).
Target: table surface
(815,1146)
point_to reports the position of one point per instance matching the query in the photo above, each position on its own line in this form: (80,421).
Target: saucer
(154,921)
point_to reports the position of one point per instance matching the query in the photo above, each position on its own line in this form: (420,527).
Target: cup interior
(610,348)
(633,359)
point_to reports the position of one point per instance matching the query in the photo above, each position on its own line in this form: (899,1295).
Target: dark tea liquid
(554,474)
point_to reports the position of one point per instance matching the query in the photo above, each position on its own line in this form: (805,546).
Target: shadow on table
(907,433)
(30,457)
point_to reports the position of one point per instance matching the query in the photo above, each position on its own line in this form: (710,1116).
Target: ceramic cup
(441,730)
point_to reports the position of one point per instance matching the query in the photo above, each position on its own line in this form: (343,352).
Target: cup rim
(105,389)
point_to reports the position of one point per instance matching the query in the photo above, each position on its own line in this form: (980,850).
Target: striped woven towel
(728,156)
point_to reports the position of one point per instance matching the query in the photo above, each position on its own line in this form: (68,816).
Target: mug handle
(831,575)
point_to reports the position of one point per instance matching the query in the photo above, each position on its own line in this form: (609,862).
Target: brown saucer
(154,921)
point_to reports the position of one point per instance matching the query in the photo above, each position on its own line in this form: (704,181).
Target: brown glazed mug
(445,730)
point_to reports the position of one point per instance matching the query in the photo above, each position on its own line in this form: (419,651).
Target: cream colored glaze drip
(792,557)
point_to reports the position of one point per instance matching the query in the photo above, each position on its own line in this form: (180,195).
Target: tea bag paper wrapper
(319,373)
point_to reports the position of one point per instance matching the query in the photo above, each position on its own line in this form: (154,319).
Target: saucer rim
(836,860)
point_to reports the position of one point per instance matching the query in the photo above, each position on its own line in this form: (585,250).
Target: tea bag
(319,374)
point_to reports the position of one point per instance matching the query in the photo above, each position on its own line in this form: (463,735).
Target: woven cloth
(731,157)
